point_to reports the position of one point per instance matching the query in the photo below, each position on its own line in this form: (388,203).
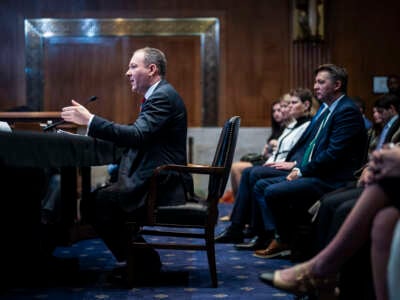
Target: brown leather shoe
(274,249)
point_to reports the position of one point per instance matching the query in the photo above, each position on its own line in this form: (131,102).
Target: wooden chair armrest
(191,168)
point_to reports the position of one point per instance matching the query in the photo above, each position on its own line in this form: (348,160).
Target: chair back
(223,157)
(200,214)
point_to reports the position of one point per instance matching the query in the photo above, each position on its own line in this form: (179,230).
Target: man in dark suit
(157,137)
(327,156)
(335,206)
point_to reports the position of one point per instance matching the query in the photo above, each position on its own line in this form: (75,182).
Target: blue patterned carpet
(237,275)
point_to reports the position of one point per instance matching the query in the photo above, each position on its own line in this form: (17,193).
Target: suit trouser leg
(289,202)
(242,212)
(332,213)
(109,221)
(241,207)
(265,218)
(338,218)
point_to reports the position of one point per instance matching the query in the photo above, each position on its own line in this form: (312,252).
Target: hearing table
(70,153)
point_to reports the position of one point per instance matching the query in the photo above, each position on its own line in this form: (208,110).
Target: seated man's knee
(259,172)
(271,194)
(258,189)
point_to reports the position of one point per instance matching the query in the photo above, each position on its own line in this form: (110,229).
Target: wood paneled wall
(76,69)
(256,51)
(363,39)
(305,58)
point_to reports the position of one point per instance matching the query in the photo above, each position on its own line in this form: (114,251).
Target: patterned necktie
(319,112)
(309,151)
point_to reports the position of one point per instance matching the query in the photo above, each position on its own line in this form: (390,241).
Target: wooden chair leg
(211,262)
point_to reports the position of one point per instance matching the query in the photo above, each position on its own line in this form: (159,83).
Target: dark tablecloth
(35,149)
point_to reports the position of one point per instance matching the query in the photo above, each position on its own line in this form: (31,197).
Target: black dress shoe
(249,233)
(230,236)
(255,243)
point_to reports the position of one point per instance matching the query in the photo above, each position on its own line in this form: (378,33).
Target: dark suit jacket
(157,137)
(340,147)
(393,134)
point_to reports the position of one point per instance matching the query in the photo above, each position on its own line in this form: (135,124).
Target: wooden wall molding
(207,29)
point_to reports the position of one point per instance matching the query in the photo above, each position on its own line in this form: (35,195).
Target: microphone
(51,126)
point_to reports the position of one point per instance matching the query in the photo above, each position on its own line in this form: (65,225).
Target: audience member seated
(327,156)
(335,206)
(361,104)
(280,117)
(375,131)
(284,102)
(244,212)
(369,216)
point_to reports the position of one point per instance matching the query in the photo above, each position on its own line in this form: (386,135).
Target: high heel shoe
(304,283)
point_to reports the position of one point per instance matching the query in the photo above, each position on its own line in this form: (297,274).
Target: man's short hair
(388,100)
(157,57)
(337,74)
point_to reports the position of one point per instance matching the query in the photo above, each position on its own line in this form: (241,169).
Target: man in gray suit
(157,137)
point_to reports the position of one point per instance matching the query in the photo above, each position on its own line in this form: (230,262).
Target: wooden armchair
(200,213)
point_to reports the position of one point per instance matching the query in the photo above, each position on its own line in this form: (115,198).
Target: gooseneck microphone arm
(51,126)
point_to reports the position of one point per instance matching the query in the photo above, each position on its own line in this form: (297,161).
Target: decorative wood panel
(305,58)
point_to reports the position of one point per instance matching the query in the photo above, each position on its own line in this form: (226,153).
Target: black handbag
(255,159)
